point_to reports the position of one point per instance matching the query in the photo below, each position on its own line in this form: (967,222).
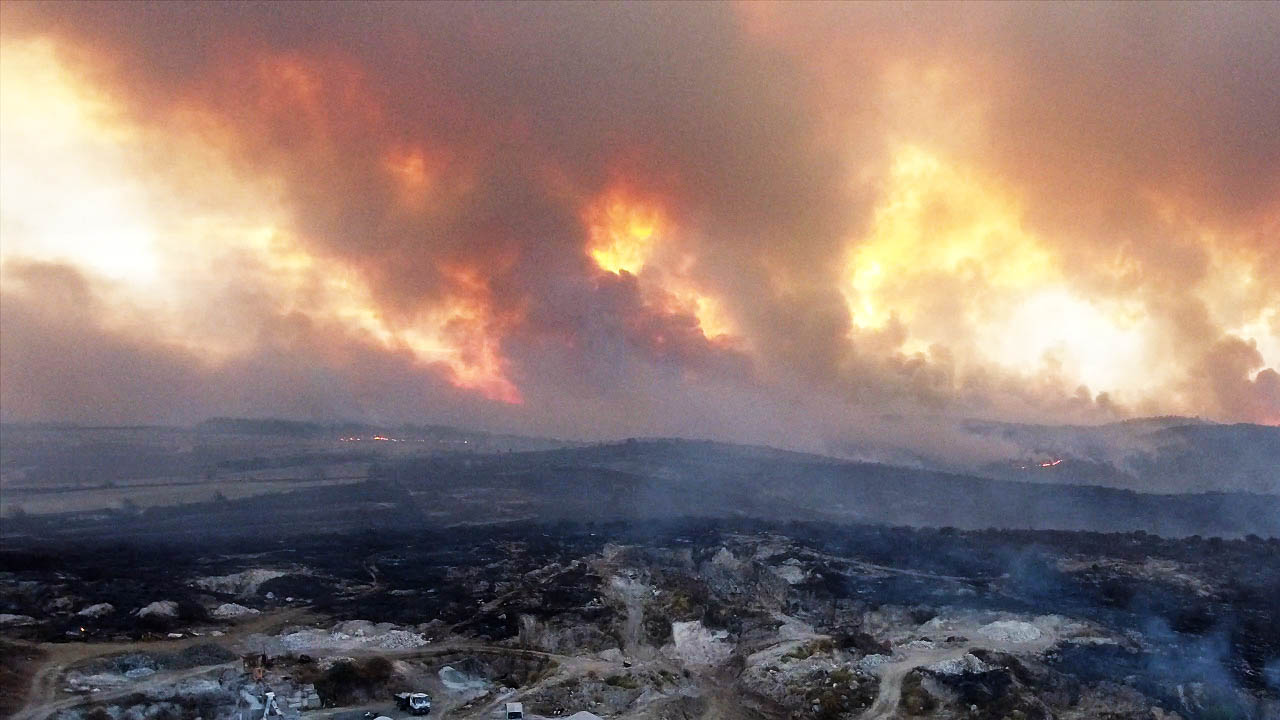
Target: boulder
(233,610)
(98,610)
(159,608)
(244,584)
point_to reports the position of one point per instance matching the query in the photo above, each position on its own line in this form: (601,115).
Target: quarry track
(44,697)
(43,710)
(43,693)
(892,675)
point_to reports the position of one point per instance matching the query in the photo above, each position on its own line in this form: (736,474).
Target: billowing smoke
(760,223)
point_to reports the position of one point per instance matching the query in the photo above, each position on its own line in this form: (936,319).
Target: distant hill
(653,479)
(676,477)
(1167,455)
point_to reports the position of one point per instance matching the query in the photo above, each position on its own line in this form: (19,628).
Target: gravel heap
(1010,631)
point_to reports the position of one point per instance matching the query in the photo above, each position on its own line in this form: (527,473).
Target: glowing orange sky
(728,221)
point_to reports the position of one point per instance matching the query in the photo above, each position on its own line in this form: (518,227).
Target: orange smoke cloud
(819,210)
(621,232)
(628,234)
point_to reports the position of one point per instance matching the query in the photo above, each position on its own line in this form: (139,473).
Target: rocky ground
(651,621)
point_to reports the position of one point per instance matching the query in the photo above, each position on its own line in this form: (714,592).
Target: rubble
(871,663)
(693,644)
(966,663)
(1010,631)
(304,697)
(344,636)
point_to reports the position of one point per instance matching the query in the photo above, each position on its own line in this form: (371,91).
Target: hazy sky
(757,222)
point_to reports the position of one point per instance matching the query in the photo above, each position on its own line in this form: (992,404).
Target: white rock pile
(98,610)
(233,610)
(352,635)
(244,584)
(963,665)
(1010,631)
(694,644)
(159,608)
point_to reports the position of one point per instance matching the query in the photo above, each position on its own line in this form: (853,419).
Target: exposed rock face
(159,608)
(463,685)
(98,610)
(791,572)
(694,644)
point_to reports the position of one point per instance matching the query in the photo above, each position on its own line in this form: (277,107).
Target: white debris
(584,715)
(243,584)
(97,610)
(81,683)
(7,619)
(870,663)
(159,608)
(459,682)
(696,645)
(725,559)
(1010,631)
(791,572)
(233,610)
(352,635)
(962,665)
(139,673)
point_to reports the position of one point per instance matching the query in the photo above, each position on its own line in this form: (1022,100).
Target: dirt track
(892,675)
(44,696)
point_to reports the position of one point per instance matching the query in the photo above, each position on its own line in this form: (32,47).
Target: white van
(515,711)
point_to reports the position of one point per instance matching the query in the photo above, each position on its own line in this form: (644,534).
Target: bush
(351,683)
(622,681)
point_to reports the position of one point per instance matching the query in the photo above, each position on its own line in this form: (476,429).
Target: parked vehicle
(414,702)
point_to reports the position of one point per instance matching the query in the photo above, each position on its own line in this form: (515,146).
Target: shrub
(350,683)
(622,681)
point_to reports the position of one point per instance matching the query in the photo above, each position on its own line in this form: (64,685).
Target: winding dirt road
(893,673)
(44,696)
